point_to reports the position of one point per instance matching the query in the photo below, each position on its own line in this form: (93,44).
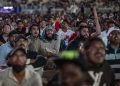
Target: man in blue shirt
(6,48)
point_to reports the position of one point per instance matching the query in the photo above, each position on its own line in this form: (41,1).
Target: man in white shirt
(65,33)
(19,74)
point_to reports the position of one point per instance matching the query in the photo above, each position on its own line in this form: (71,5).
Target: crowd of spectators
(76,46)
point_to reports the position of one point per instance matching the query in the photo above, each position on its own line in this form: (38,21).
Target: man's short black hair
(32,26)
(12,33)
(7,25)
(90,41)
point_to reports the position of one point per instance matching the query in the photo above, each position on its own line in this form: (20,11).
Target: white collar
(11,75)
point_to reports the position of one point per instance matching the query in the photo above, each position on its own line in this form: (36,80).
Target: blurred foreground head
(71,68)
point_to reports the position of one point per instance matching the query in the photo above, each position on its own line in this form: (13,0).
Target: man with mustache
(34,38)
(113,53)
(85,33)
(98,69)
(19,74)
(50,43)
(33,58)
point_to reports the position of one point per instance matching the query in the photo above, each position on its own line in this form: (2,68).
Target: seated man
(50,44)
(33,58)
(19,74)
(6,48)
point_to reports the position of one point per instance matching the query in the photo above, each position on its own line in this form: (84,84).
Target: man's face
(96,53)
(85,32)
(43,24)
(114,37)
(105,26)
(12,39)
(35,31)
(71,75)
(6,29)
(50,33)
(20,25)
(22,43)
(18,61)
(64,25)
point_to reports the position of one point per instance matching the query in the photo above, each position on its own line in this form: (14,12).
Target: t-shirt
(31,78)
(65,35)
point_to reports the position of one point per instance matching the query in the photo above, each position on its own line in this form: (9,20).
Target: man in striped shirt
(113,53)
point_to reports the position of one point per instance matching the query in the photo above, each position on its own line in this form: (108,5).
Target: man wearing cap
(33,58)
(113,53)
(84,34)
(71,71)
(19,74)
(6,48)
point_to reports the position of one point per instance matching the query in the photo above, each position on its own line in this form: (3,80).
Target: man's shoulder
(4,73)
(4,45)
(31,73)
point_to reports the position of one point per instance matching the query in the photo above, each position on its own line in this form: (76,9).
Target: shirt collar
(11,75)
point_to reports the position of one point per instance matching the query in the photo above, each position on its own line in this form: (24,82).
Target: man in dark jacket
(98,69)
(79,41)
(85,33)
